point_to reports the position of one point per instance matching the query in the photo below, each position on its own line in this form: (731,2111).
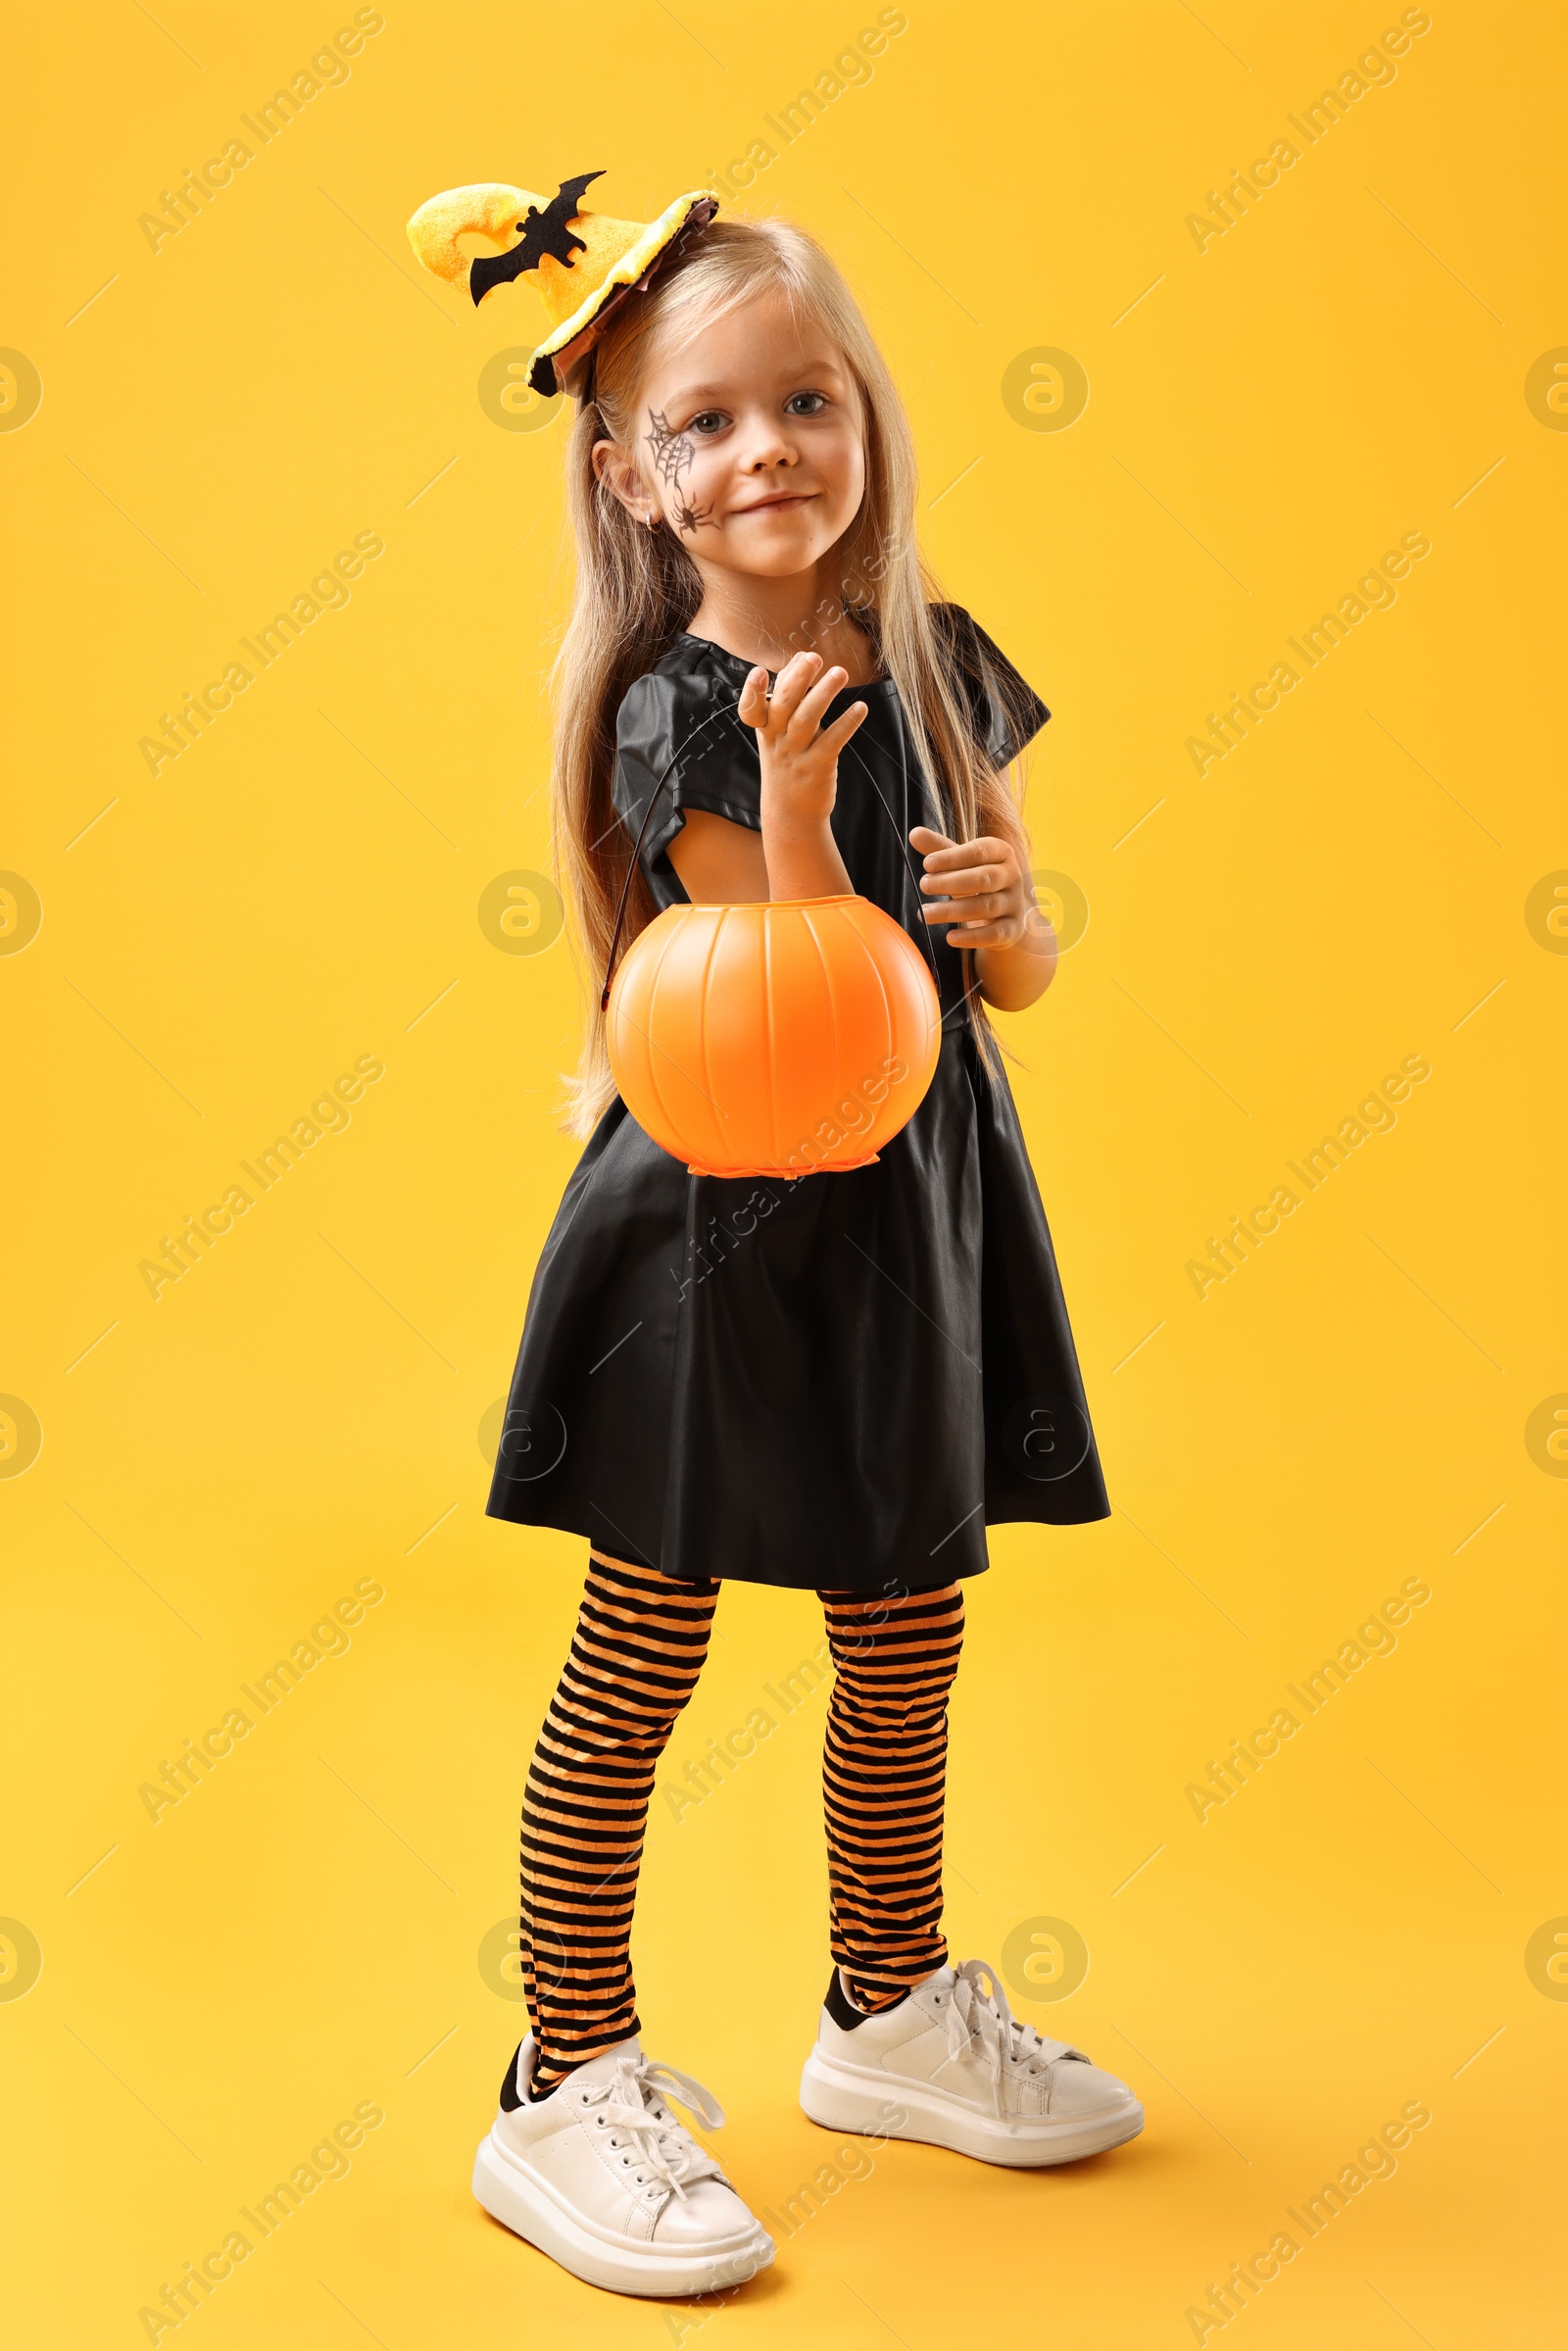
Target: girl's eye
(818,402)
(707,421)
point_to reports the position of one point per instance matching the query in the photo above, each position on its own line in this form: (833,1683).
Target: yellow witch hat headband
(584,263)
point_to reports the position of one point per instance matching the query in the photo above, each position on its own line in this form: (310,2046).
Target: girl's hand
(981,887)
(800,760)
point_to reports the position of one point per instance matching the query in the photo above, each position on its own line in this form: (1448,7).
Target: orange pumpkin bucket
(773,1040)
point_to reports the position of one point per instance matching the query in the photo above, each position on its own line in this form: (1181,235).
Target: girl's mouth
(785,498)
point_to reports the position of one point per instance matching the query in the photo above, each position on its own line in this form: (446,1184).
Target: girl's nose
(767,446)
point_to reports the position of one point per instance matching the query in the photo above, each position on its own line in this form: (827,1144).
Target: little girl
(834,1383)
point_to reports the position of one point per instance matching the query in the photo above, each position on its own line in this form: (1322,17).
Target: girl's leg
(884,1766)
(639,1645)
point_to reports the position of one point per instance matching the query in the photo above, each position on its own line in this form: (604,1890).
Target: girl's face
(751,443)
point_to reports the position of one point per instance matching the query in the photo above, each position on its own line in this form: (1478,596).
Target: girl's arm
(800,761)
(978,887)
(722,864)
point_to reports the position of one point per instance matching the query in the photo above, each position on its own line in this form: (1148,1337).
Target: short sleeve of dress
(679,744)
(1005,710)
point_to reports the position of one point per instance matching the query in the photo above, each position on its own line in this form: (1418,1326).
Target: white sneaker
(967,2073)
(601,2176)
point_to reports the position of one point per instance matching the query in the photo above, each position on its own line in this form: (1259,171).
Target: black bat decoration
(543,232)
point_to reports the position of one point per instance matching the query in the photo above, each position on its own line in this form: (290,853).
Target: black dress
(836,1382)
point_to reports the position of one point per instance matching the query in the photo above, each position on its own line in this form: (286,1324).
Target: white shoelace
(978,2011)
(628,2100)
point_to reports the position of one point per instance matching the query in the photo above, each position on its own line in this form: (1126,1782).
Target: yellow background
(302,1410)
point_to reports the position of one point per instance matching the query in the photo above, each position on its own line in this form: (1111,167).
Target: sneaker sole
(842,2100)
(520,2202)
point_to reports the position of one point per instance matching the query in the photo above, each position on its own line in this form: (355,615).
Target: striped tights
(638,1647)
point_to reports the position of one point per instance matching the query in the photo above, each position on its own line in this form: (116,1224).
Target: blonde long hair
(636,588)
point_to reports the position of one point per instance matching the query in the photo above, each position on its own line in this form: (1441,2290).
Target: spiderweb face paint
(673,453)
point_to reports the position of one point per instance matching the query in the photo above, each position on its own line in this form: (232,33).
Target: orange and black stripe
(884,1773)
(639,1645)
(637,1650)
